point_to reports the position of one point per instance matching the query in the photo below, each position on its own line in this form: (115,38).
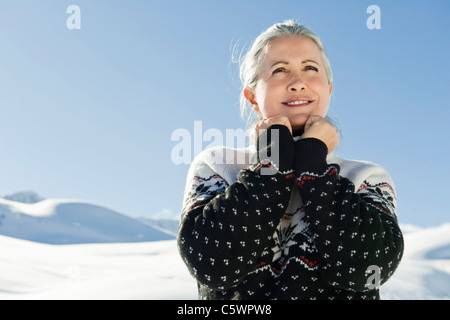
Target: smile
(296,103)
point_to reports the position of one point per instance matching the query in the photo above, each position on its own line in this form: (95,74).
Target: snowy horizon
(83,260)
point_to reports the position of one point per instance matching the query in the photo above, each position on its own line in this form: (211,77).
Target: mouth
(298,102)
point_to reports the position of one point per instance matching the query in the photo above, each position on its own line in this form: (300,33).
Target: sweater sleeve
(356,231)
(225,228)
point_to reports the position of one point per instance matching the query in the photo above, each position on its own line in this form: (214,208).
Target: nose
(296,84)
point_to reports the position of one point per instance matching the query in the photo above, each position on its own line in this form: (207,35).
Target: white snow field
(144,270)
(144,263)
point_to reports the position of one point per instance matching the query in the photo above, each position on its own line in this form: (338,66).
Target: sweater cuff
(276,146)
(311,155)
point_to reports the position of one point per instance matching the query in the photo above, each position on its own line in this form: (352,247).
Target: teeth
(293,103)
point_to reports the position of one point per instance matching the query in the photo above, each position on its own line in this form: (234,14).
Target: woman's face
(292,82)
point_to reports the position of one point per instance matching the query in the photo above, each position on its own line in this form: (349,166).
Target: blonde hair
(251,62)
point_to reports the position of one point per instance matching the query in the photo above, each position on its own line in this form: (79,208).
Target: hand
(319,128)
(265,123)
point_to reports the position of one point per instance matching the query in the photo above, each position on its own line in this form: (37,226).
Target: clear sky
(89,113)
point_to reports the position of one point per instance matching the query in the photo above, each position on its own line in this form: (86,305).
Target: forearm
(352,230)
(222,237)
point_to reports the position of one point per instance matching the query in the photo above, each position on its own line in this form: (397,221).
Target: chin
(298,121)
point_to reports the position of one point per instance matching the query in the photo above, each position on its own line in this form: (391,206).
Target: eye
(310,67)
(278,70)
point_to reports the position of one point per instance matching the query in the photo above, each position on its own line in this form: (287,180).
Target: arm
(225,228)
(353,229)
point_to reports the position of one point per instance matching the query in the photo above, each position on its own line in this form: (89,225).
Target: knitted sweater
(306,226)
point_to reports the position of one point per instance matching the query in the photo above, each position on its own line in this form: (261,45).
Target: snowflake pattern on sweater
(304,232)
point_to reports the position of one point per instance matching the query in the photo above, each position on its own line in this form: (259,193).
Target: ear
(331,87)
(250,96)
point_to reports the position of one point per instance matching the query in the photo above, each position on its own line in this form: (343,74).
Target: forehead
(292,49)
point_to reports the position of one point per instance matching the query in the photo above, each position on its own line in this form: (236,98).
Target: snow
(145,270)
(94,267)
(25,197)
(424,272)
(67,221)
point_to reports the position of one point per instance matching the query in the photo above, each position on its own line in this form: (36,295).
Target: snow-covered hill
(154,270)
(59,221)
(24,197)
(424,272)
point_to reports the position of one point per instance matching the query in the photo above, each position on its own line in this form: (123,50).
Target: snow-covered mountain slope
(24,197)
(168,225)
(154,270)
(424,272)
(59,221)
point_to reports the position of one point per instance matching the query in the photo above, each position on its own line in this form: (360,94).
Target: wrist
(276,146)
(311,155)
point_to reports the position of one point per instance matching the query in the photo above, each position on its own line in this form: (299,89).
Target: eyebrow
(286,62)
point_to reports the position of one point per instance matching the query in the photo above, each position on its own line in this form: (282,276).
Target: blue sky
(89,113)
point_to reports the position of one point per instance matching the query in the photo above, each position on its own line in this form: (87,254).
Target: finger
(280,119)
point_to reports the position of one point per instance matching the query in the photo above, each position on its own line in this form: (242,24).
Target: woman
(294,221)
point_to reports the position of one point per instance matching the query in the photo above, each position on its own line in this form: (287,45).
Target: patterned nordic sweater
(306,226)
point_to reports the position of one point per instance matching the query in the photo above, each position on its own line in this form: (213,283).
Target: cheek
(322,89)
(266,97)
(319,84)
